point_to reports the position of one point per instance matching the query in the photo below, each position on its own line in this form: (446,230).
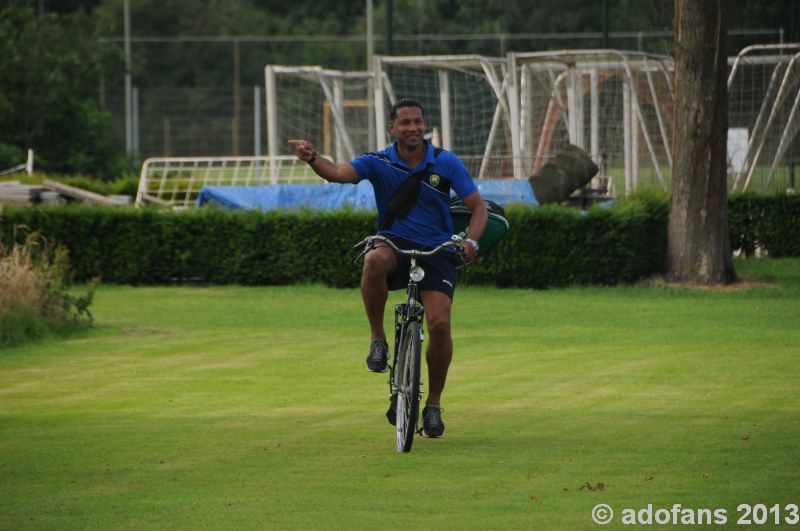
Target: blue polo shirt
(429,221)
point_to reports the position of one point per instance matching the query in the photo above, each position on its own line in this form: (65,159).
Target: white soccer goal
(331,108)
(175,182)
(345,113)
(763,101)
(503,117)
(617,106)
(465,99)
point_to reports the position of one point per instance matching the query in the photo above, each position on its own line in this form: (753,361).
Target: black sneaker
(432,425)
(378,356)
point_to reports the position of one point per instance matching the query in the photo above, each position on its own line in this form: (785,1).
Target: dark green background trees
(50,68)
(61,62)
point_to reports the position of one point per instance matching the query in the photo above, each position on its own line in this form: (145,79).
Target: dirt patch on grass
(745,283)
(741,284)
(143,331)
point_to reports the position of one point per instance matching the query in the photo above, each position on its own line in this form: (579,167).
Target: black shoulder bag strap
(406,195)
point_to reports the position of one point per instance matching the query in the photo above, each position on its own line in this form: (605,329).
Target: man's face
(408,127)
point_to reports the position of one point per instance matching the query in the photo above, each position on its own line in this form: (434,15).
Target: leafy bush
(48,91)
(34,292)
(550,246)
(545,246)
(10,156)
(766,223)
(555,246)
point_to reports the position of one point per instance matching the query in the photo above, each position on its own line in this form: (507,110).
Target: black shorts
(440,269)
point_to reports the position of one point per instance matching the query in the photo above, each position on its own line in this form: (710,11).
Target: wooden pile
(51,192)
(16,193)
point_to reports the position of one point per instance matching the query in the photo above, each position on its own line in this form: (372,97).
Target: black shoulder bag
(406,195)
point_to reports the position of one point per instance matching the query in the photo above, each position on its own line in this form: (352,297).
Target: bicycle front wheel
(407,379)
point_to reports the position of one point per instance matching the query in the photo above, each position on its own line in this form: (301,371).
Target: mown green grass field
(227,407)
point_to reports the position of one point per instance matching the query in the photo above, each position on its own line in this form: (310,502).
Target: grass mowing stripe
(235,407)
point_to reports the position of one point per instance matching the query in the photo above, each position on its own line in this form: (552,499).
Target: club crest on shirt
(434,180)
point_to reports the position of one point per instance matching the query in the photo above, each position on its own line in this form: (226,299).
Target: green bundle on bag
(496,223)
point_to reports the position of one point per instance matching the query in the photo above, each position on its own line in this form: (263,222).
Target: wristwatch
(473,243)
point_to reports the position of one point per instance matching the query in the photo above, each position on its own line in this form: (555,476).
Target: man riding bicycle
(422,221)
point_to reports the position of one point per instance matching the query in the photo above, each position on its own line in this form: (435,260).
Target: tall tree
(698,246)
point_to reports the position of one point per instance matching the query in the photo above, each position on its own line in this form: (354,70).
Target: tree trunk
(698,246)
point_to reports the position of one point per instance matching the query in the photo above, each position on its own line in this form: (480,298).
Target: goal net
(616,106)
(331,108)
(763,101)
(466,106)
(504,117)
(345,113)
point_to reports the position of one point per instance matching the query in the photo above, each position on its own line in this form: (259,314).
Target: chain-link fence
(192,121)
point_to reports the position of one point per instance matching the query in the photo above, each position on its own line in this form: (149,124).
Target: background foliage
(63,67)
(49,92)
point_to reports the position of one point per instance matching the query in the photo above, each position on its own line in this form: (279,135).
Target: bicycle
(405,391)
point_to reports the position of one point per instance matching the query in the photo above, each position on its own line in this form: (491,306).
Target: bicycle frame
(404,374)
(404,314)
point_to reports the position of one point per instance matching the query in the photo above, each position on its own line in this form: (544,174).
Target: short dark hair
(404,102)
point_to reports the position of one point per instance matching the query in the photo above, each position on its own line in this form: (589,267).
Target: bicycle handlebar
(369,243)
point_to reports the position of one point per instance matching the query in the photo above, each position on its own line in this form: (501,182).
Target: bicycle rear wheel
(407,380)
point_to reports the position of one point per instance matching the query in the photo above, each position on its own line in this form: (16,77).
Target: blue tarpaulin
(274,196)
(507,191)
(335,196)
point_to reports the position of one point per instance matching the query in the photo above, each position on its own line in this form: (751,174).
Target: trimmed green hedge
(545,247)
(556,246)
(149,246)
(771,223)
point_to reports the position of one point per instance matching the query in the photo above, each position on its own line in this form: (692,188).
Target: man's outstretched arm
(336,173)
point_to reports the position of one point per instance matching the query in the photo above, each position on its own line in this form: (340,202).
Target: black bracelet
(312,159)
